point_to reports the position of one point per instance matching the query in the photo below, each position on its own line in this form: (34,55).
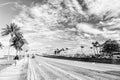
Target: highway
(44,68)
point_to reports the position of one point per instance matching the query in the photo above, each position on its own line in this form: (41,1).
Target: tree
(96,45)
(110,46)
(67,48)
(11,30)
(82,49)
(18,41)
(92,49)
(1,46)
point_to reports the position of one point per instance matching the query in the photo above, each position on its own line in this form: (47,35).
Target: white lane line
(29,71)
(59,75)
(94,65)
(32,73)
(65,72)
(43,74)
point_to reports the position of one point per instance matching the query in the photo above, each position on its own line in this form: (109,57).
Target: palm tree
(96,45)
(1,46)
(82,49)
(17,42)
(91,47)
(11,30)
(92,50)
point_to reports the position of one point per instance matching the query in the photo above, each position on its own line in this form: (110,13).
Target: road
(58,69)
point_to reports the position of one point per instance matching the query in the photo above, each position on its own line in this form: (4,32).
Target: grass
(86,59)
(116,73)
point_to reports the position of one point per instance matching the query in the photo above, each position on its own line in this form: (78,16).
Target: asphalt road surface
(57,69)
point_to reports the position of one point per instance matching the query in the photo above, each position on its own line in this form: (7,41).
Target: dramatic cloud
(69,22)
(100,7)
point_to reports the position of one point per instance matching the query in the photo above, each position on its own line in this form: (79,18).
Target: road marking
(65,72)
(95,65)
(31,73)
(46,77)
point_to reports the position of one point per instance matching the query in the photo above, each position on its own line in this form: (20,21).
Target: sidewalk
(14,72)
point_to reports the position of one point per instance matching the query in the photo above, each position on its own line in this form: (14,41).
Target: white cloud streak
(4,4)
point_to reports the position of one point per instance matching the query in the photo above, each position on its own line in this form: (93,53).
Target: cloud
(88,28)
(65,23)
(7,3)
(100,7)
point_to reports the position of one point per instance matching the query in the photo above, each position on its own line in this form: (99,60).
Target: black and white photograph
(59,39)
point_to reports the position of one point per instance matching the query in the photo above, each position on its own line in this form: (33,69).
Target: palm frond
(1,46)
(18,41)
(14,27)
(11,29)
(19,34)
(6,31)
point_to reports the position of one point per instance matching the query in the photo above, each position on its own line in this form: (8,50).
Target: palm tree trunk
(8,53)
(94,50)
(9,50)
(16,52)
(19,54)
(82,51)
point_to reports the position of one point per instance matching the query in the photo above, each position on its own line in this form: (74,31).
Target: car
(33,56)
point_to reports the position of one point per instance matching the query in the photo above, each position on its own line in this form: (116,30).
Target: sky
(62,23)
